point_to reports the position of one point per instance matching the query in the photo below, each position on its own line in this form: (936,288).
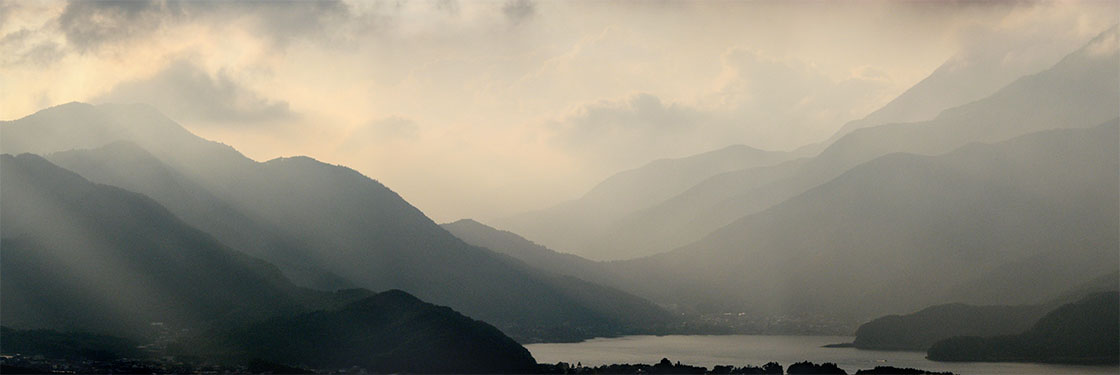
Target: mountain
(1083,332)
(513,245)
(569,272)
(1077,92)
(95,259)
(391,332)
(966,77)
(124,259)
(126,165)
(570,226)
(920,330)
(901,231)
(325,225)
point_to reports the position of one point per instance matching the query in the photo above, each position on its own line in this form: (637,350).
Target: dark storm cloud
(89,25)
(23,47)
(451,7)
(184,91)
(518,11)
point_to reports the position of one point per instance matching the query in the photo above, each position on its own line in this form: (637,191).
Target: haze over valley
(470,187)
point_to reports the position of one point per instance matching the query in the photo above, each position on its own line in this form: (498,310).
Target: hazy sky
(487,108)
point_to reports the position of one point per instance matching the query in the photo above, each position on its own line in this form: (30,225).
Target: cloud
(186,92)
(90,25)
(518,11)
(758,100)
(451,7)
(380,132)
(624,133)
(28,47)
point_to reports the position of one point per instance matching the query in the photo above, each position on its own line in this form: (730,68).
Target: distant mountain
(325,225)
(83,256)
(575,226)
(1077,92)
(901,231)
(920,330)
(1083,332)
(961,79)
(391,332)
(511,244)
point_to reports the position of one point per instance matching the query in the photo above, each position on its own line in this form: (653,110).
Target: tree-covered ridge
(391,332)
(1083,332)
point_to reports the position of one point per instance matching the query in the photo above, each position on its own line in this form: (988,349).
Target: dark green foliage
(769,368)
(889,370)
(258,366)
(7,369)
(1084,332)
(66,345)
(389,332)
(921,329)
(812,368)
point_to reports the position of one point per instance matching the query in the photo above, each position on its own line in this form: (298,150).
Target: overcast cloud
(517,104)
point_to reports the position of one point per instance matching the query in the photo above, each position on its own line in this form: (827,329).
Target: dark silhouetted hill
(391,332)
(921,329)
(1084,332)
(67,345)
(813,368)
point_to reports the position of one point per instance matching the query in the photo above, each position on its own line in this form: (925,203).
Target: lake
(756,350)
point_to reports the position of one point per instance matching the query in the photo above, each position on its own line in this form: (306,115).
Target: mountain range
(1079,91)
(325,226)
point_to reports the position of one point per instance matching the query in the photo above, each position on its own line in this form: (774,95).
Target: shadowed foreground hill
(85,257)
(1083,332)
(919,330)
(391,332)
(78,255)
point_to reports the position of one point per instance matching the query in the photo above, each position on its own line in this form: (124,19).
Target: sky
(482,109)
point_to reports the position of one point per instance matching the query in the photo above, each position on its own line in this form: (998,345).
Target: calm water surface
(756,350)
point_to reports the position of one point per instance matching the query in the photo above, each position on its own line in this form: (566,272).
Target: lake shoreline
(756,350)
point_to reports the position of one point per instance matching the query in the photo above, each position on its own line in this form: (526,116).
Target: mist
(503,187)
(520,107)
